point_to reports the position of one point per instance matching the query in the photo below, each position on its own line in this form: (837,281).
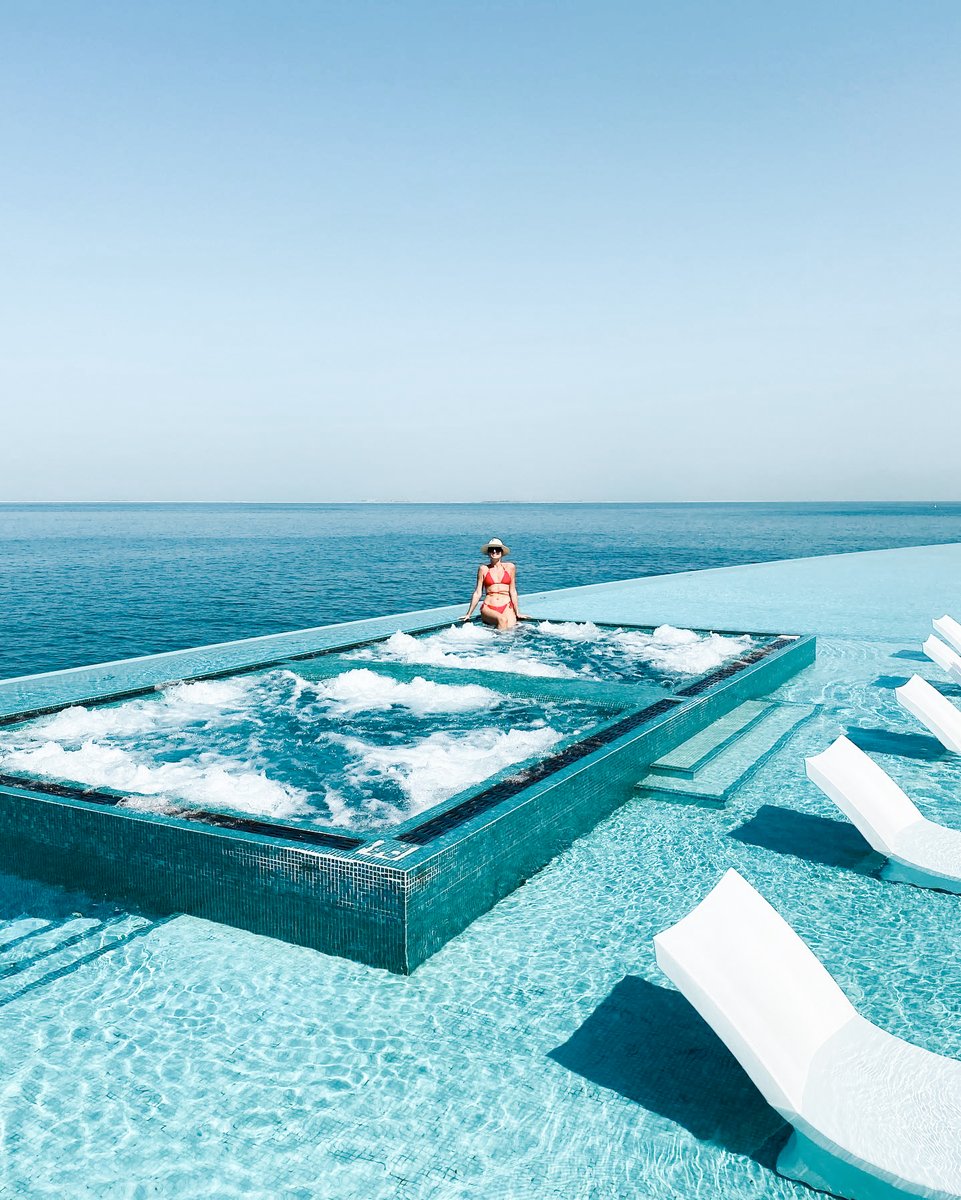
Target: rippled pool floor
(539,1055)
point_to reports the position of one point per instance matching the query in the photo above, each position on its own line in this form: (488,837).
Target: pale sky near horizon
(463,251)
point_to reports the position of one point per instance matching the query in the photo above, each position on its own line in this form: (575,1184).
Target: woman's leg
(500,620)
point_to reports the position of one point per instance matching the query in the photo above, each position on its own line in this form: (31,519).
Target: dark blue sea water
(89,583)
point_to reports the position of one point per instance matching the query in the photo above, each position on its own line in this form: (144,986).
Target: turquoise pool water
(355,751)
(540,1053)
(569,650)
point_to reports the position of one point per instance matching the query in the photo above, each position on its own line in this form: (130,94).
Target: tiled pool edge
(31,695)
(390,907)
(547,818)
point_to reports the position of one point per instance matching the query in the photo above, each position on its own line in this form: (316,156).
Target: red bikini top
(490,581)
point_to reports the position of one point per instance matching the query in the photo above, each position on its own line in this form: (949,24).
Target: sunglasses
(495,550)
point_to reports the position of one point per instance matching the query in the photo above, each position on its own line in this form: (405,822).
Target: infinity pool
(540,1054)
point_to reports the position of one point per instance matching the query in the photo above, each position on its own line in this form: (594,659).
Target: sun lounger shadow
(906,745)
(646,1043)
(872,1115)
(890,682)
(813,838)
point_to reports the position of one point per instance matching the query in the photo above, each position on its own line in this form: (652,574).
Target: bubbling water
(358,750)
(566,650)
(466,648)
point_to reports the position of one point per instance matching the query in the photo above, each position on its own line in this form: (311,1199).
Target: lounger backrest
(866,794)
(933,710)
(943,656)
(757,985)
(950,630)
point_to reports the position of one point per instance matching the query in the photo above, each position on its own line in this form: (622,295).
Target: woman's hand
(466,617)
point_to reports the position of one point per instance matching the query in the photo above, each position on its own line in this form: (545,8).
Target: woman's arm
(476,596)
(515,603)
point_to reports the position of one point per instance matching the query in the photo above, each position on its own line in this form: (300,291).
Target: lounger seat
(934,848)
(950,630)
(874,1117)
(933,710)
(918,851)
(944,657)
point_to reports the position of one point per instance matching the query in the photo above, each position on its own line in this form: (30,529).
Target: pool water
(540,1055)
(356,751)
(569,650)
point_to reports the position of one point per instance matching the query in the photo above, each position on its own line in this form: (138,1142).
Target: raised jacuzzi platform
(390,898)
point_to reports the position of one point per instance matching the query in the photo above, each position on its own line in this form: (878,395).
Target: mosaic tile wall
(485,860)
(389,901)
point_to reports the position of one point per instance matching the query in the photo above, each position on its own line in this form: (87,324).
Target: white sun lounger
(933,710)
(874,1116)
(950,630)
(918,851)
(944,657)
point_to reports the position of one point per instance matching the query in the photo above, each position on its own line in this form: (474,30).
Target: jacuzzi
(367,789)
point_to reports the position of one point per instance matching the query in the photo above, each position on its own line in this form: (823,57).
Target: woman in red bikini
(498,582)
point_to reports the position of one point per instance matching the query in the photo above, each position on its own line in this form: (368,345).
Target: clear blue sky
(466,250)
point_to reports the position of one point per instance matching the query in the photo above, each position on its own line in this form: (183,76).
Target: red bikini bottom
(494,608)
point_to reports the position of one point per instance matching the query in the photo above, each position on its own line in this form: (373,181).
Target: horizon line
(447,503)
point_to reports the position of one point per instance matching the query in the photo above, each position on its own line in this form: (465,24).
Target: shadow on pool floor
(648,1044)
(808,836)
(905,745)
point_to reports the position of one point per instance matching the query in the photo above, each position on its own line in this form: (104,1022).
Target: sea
(87,583)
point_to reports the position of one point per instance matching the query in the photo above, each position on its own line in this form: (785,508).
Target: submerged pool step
(709,767)
(57,948)
(694,754)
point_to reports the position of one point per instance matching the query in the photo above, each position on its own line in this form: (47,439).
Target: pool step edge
(691,757)
(720,777)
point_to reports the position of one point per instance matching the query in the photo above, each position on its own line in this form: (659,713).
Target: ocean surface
(89,583)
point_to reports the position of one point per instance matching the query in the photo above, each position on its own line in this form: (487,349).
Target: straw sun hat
(496,544)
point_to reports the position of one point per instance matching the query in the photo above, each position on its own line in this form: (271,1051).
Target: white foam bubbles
(668,635)
(343,812)
(363,691)
(572,631)
(77,724)
(175,706)
(681,651)
(457,648)
(466,633)
(667,650)
(110,747)
(205,781)
(441,765)
(207,693)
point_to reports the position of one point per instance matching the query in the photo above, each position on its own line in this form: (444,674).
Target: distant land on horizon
(477,503)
